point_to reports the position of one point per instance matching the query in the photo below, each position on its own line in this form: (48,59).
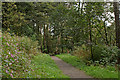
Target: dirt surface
(69,70)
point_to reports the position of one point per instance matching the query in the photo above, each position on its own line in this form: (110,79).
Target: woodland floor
(69,70)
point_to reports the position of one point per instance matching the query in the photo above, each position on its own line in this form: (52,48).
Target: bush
(45,50)
(28,45)
(16,52)
(82,52)
(102,54)
(105,54)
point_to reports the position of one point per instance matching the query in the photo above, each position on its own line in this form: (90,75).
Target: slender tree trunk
(79,6)
(62,49)
(47,39)
(41,43)
(59,42)
(61,39)
(44,37)
(90,32)
(72,45)
(95,39)
(117,24)
(106,35)
(110,40)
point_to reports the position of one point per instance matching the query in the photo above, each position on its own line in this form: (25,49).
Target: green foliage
(102,54)
(45,50)
(105,54)
(12,18)
(28,45)
(95,71)
(44,67)
(82,52)
(16,55)
(33,37)
(20,59)
(60,27)
(0,53)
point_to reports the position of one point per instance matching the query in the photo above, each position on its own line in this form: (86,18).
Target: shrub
(28,45)
(45,50)
(16,52)
(102,54)
(82,52)
(105,54)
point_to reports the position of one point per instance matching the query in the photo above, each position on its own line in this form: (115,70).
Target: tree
(117,24)
(12,18)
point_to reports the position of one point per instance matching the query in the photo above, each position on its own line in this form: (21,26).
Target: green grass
(44,67)
(94,71)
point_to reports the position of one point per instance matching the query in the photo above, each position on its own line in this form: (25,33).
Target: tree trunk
(62,49)
(47,39)
(44,37)
(79,6)
(117,24)
(90,32)
(106,39)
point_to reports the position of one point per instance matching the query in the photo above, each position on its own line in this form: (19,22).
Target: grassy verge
(44,67)
(95,71)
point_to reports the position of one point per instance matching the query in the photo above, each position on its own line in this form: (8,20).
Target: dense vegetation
(21,59)
(87,30)
(16,55)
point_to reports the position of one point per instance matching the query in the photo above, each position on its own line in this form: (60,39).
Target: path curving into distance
(68,69)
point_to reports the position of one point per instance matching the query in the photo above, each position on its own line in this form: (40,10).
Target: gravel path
(69,70)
